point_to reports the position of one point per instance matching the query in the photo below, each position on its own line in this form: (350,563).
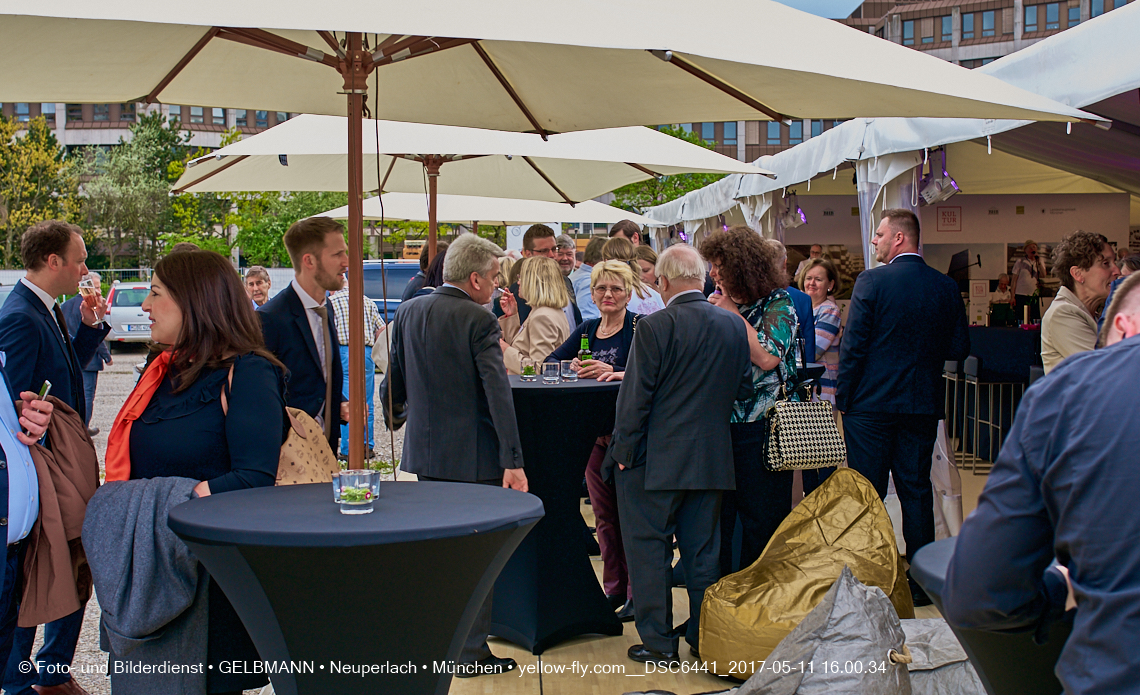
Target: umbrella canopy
(469,209)
(310,153)
(501,65)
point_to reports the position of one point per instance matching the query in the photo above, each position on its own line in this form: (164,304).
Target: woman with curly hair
(1085,264)
(750,283)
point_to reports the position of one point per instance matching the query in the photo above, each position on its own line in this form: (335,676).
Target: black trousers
(649,520)
(475,648)
(879,444)
(762,499)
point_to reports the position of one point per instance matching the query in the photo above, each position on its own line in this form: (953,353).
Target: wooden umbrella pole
(432,164)
(355,67)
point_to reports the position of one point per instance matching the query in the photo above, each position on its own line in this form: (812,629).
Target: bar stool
(952,374)
(1035,373)
(994,420)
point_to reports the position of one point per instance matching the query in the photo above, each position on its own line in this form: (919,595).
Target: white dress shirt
(23,484)
(316,323)
(681,294)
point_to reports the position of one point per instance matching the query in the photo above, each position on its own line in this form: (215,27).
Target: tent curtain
(871,176)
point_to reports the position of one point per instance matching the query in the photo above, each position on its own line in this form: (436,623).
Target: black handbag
(800,434)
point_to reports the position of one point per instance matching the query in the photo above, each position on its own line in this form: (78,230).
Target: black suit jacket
(905,320)
(688,363)
(447,370)
(289,337)
(35,349)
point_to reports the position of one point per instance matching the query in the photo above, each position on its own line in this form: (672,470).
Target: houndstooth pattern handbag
(801,435)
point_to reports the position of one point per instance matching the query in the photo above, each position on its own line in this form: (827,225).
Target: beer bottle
(584,350)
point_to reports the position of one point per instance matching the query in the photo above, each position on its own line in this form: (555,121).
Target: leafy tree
(36,183)
(263,218)
(636,197)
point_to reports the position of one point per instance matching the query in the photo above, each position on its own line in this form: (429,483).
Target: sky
(831,9)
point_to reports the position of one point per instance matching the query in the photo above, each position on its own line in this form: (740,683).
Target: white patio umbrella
(505,65)
(310,153)
(474,210)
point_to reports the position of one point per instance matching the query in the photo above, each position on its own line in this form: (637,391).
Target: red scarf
(118,461)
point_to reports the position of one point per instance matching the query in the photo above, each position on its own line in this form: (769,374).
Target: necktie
(323,312)
(72,360)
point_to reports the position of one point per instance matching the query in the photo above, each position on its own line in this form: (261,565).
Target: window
(708,131)
(1052,16)
(835,124)
(173,113)
(23,112)
(1031,18)
(1074,15)
(74,112)
(197,115)
(988,23)
(968,26)
(102,112)
(241,118)
(687,127)
(908,32)
(879,32)
(48,111)
(261,119)
(219,116)
(987,61)
(926,30)
(773,132)
(947,28)
(816,128)
(796,133)
(127,112)
(1098,8)
(729,133)
(282,116)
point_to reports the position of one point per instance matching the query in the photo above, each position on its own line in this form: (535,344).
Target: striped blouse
(827,322)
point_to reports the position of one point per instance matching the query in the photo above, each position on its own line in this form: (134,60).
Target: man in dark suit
(37,343)
(672,447)
(905,321)
(72,313)
(446,376)
(298,323)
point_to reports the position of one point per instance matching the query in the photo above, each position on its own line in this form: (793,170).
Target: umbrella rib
(511,91)
(548,181)
(219,170)
(331,41)
(259,38)
(420,47)
(153,95)
(674,59)
(643,170)
(391,165)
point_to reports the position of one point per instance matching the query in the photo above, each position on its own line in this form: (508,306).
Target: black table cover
(1006,353)
(394,590)
(1007,663)
(548,592)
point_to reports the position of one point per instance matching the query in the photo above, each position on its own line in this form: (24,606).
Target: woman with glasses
(609,337)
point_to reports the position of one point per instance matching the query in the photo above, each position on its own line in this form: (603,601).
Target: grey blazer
(447,371)
(688,363)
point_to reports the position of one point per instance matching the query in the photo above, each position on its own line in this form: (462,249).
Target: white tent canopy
(593,64)
(1095,66)
(466,209)
(310,153)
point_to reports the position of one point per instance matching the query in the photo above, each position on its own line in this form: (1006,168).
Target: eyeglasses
(602,290)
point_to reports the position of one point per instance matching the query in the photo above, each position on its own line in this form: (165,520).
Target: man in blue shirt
(1065,486)
(580,279)
(19,495)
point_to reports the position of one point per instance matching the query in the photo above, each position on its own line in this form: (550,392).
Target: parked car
(129,323)
(399,275)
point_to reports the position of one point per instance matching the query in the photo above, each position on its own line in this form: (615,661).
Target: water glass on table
(568,371)
(528,370)
(550,372)
(358,491)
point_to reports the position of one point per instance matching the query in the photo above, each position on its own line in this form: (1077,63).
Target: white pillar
(741,149)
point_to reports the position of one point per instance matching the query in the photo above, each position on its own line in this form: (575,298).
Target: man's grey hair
(469,254)
(94,276)
(563,241)
(781,250)
(681,261)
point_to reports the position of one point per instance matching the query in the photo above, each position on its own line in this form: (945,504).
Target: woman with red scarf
(173,424)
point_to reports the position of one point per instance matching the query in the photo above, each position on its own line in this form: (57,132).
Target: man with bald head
(671,455)
(1055,527)
(905,321)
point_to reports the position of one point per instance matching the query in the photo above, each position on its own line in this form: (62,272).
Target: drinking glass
(358,491)
(550,372)
(336,486)
(89,290)
(568,371)
(528,369)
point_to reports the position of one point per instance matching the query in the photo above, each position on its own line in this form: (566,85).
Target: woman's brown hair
(1081,249)
(218,321)
(746,265)
(832,274)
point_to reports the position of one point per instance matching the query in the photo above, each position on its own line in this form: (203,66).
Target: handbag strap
(294,423)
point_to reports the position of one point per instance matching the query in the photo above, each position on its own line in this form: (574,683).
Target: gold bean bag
(745,615)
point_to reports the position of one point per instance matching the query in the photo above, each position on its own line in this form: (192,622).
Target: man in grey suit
(447,379)
(672,447)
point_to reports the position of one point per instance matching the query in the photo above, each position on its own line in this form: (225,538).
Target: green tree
(636,197)
(36,183)
(263,218)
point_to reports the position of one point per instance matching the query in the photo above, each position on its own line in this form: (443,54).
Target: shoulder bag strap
(294,423)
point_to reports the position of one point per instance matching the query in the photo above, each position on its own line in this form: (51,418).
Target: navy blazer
(74,317)
(806,315)
(36,350)
(289,337)
(905,321)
